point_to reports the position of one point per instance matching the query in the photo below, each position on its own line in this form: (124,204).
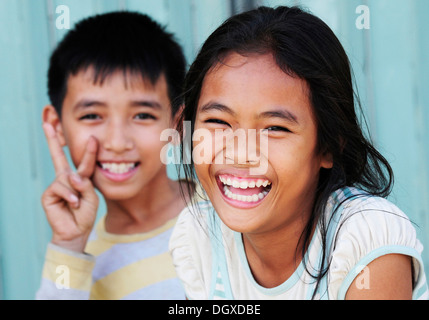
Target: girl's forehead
(242,72)
(236,61)
(255,85)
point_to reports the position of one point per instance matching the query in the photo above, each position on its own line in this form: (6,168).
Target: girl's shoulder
(352,199)
(376,220)
(364,228)
(190,248)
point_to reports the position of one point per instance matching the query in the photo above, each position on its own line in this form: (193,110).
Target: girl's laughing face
(253,94)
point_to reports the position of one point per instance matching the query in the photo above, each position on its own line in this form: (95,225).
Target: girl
(314,224)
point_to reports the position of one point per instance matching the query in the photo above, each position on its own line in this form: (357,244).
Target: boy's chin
(119,193)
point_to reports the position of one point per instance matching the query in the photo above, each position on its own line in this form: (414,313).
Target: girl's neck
(159,202)
(273,257)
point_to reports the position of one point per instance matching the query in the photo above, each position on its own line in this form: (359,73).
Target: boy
(113,83)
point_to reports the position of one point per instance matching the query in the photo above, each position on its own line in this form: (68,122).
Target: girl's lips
(243,192)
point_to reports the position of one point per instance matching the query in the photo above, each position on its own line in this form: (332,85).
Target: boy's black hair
(127,41)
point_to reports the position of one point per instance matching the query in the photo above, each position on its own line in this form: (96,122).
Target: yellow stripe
(133,277)
(98,246)
(64,269)
(126,238)
(106,240)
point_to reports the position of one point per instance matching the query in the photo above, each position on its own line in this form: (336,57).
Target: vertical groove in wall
(369,84)
(1,276)
(194,23)
(237,6)
(50,12)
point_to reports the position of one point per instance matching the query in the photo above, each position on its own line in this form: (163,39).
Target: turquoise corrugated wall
(391,66)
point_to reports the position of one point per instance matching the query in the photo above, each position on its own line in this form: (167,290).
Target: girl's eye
(217,121)
(144,116)
(277,129)
(90,116)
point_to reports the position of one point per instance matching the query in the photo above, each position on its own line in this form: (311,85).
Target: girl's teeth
(118,167)
(249,198)
(244,184)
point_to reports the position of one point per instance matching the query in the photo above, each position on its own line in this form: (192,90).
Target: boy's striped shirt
(136,266)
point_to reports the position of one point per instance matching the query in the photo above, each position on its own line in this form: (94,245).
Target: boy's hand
(70,202)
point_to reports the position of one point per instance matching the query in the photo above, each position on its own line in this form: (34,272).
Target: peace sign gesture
(70,202)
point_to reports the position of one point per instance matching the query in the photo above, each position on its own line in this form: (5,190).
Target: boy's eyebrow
(84,103)
(216,106)
(147,103)
(280,113)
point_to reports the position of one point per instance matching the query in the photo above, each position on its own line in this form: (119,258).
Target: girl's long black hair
(303,46)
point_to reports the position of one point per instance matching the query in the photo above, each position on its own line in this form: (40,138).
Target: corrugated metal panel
(22,225)
(389,60)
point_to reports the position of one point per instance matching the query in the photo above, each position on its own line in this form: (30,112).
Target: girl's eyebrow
(214,106)
(280,113)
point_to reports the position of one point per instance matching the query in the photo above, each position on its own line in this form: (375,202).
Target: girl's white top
(211,262)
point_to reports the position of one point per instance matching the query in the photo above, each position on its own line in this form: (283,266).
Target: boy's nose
(117,138)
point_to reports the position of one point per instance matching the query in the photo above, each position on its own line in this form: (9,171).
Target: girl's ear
(176,124)
(50,115)
(178,116)
(327,160)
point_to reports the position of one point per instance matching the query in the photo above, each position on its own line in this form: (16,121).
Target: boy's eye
(90,116)
(144,116)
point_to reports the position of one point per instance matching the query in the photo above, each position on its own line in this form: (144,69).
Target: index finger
(87,165)
(59,159)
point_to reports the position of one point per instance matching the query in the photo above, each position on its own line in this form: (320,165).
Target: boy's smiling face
(254,93)
(126,115)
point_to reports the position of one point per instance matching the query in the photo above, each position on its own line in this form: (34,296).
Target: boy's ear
(50,115)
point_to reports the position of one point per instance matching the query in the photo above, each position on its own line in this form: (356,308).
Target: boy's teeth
(244,184)
(118,167)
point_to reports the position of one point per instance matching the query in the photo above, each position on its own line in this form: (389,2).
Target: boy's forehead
(130,79)
(116,86)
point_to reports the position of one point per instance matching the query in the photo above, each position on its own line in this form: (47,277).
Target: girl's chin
(239,222)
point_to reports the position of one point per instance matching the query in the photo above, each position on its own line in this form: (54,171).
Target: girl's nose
(242,147)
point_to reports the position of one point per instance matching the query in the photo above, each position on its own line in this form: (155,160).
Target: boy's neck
(160,202)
